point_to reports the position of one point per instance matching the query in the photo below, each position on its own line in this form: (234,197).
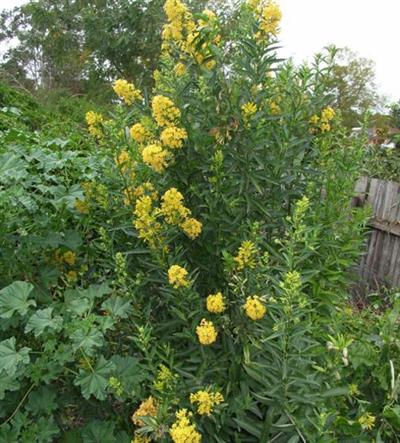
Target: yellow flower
(183,431)
(367,421)
(96,132)
(353,389)
(148,408)
(93,118)
(271,15)
(72,276)
(82,206)
(69,257)
(94,121)
(216,303)
(146,188)
(254,308)
(192,227)
(139,133)
(172,207)
(155,157)
(325,127)
(165,379)
(210,64)
(245,257)
(141,439)
(175,10)
(327,114)
(146,222)
(206,332)
(180,70)
(253,3)
(206,401)
(173,137)
(274,107)
(177,277)
(164,110)
(122,159)
(314,119)
(248,109)
(126,91)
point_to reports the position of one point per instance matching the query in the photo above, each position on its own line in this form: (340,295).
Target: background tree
(81,45)
(352,84)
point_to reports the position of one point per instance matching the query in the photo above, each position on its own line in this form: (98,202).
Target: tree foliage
(353,86)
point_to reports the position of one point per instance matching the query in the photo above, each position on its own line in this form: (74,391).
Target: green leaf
(118,307)
(10,358)
(79,306)
(87,339)
(46,430)
(99,432)
(42,401)
(14,298)
(41,320)
(95,382)
(8,383)
(12,167)
(96,291)
(129,372)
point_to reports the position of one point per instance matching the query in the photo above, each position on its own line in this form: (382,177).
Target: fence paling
(381,261)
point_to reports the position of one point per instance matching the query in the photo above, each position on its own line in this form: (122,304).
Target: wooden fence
(380,264)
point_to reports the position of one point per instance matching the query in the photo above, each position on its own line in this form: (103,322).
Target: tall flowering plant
(200,315)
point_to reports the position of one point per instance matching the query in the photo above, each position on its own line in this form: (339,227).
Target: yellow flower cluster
(122,158)
(270,17)
(139,133)
(323,122)
(216,303)
(68,257)
(173,137)
(327,114)
(172,207)
(180,69)
(82,206)
(126,91)
(125,163)
(165,379)
(274,108)
(178,16)
(246,255)
(94,121)
(156,157)
(206,401)
(96,192)
(148,408)
(175,213)
(164,110)
(367,421)
(183,431)
(248,109)
(192,227)
(206,332)
(177,277)
(141,439)
(146,221)
(182,29)
(254,308)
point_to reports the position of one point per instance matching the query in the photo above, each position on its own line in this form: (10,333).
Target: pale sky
(368,27)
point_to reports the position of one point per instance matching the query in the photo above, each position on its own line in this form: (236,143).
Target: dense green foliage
(91,324)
